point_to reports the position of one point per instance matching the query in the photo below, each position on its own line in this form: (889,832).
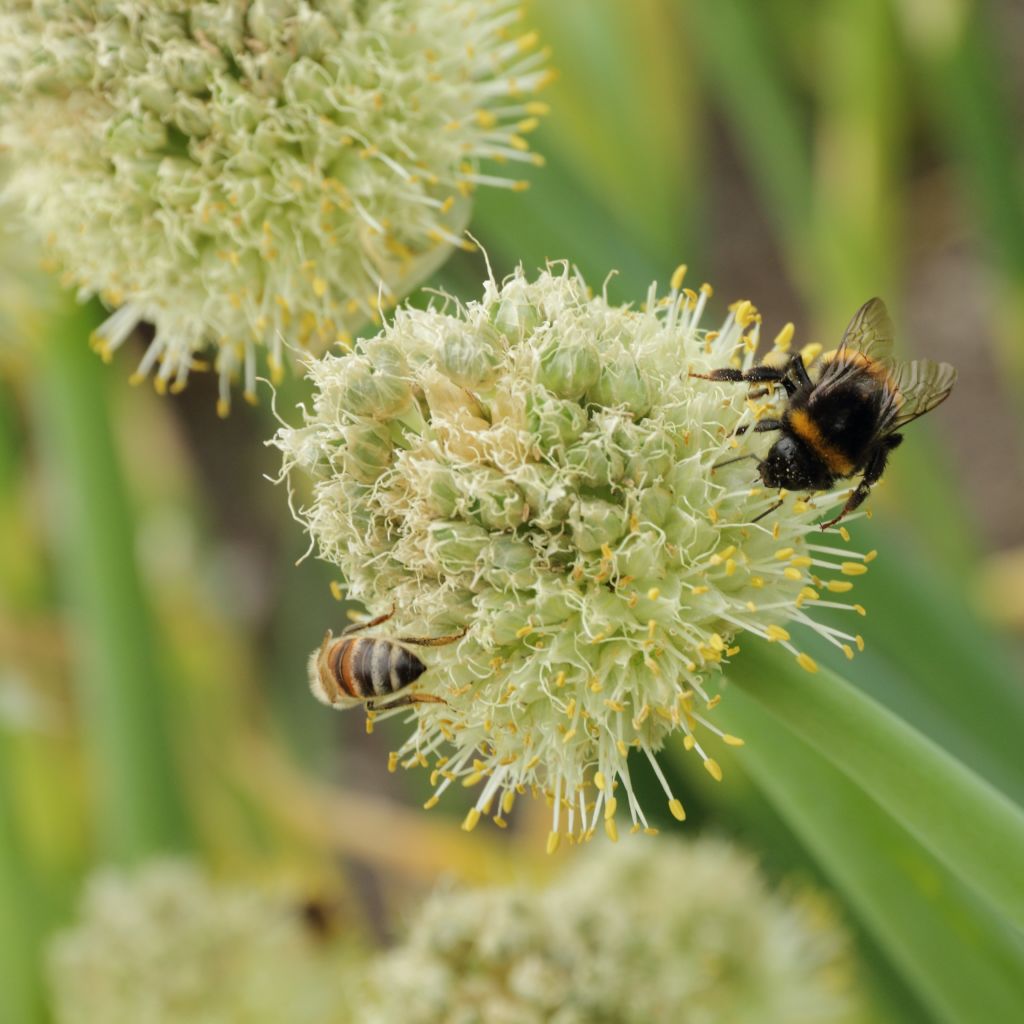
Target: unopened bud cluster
(239,173)
(539,468)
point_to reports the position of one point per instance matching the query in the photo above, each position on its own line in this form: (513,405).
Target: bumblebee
(351,670)
(846,420)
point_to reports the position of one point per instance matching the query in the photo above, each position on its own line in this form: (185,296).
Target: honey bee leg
(433,641)
(368,624)
(404,701)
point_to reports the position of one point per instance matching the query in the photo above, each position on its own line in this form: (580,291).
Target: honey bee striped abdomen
(348,670)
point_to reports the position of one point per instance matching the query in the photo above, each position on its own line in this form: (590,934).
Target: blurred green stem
(120,688)
(20,916)
(971,827)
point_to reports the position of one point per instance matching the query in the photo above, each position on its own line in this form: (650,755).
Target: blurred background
(154,624)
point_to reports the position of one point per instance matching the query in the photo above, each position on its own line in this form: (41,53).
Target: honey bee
(349,670)
(845,421)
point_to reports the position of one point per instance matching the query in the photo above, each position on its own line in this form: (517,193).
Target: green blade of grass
(965,823)
(121,691)
(21,917)
(962,960)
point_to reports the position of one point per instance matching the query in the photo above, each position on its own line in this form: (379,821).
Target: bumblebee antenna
(767,511)
(729,462)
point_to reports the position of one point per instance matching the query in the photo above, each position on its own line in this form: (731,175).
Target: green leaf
(963,961)
(969,826)
(121,690)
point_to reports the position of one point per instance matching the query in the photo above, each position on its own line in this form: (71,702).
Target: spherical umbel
(242,174)
(540,469)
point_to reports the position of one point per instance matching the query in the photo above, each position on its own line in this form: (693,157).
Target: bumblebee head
(788,465)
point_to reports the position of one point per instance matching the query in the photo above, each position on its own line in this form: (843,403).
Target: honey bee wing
(920,386)
(869,332)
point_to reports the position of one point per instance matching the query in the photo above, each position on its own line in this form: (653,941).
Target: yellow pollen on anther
(611,829)
(810,352)
(848,651)
(732,741)
(554,838)
(336,590)
(792,574)
(610,807)
(393,761)
(871,556)
(599,780)
(853,569)
(471,819)
(806,662)
(859,640)
(713,769)
(844,533)
(677,810)
(774,633)
(432,802)
(524,632)
(839,586)
(678,276)
(784,338)
(689,743)
(783,553)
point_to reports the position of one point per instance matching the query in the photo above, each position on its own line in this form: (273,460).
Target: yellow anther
(742,311)
(806,662)
(848,651)
(810,352)
(499,821)
(713,515)
(613,705)
(652,627)
(223,408)
(859,640)
(678,275)
(792,574)
(469,822)
(853,569)
(844,533)
(717,643)
(524,631)
(839,586)
(713,769)
(537,108)
(688,742)
(757,581)
(730,566)
(528,124)
(783,553)
(472,779)
(620,746)
(554,838)
(653,594)
(249,396)
(611,829)
(610,807)
(569,736)
(508,800)
(599,780)
(751,607)
(800,561)
(677,810)
(871,556)
(432,802)
(784,338)
(809,593)
(393,761)
(860,609)
(369,722)
(776,633)
(732,741)
(697,591)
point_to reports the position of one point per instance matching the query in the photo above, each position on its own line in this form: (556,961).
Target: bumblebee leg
(368,624)
(796,364)
(755,375)
(404,701)
(433,641)
(872,474)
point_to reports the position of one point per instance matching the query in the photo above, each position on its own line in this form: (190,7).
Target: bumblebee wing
(869,332)
(920,385)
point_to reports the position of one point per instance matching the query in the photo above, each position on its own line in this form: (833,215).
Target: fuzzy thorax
(539,467)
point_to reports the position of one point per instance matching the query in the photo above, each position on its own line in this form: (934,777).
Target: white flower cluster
(244,171)
(643,933)
(539,468)
(166,945)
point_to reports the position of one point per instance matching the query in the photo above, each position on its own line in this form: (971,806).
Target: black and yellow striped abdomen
(367,667)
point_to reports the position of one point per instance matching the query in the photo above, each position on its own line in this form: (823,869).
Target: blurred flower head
(539,467)
(240,173)
(166,945)
(640,934)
